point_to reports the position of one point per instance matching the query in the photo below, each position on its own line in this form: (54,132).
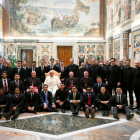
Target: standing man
(136,84)
(33,68)
(87,65)
(72,67)
(20,71)
(63,71)
(127,81)
(94,70)
(24,64)
(2,67)
(42,70)
(121,64)
(9,70)
(57,63)
(113,76)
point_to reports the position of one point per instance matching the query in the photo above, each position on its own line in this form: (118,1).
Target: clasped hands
(74,101)
(45,106)
(105,102)
(59,102)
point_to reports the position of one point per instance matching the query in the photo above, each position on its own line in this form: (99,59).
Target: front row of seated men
(43,101)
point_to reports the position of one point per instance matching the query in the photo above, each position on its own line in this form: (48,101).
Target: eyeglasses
(112,61)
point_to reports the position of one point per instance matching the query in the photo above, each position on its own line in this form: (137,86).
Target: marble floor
(59,126)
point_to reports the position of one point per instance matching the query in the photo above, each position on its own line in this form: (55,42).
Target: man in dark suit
(61,98)
(87,65)
(16,103)
(2,67)
(71,81)
(74,98)
(63,71)
(136,84)
(81,70)
(32,101)
(24,64)
(33,68)
(52,66)
(47,102)
(33,81)
(89,102)
(57,63)
(102,100)
(85,82)
(42,70)
(119,103)
(102,61)
(16,84)
(113,76)
(121,64)
(4,102)
(72,67)
(98,85)
(9,71)
(127,81)
(5,82)
(94,71)
(20,71)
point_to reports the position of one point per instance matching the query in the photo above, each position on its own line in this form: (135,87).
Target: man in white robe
(53,82)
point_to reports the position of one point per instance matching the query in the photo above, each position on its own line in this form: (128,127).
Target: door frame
(74,49)
(19,48)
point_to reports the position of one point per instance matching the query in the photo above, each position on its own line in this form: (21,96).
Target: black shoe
(35,111)
(13,118)
(108,113)
(130,117)
(0,116)
(6,116)
(116,116)
(73,113)
(63,111)
(54,110)
(103,113)
(76,113)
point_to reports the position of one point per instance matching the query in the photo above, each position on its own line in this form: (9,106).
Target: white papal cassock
(53,83)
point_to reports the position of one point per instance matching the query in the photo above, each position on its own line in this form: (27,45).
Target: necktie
(16,96)
(16,84)
(62,70)
(99,87)
(5,86)
(74,96)
(89,102)
(18,70)
(119,99)
(46,99)
(42,69)
(0,66)
(32,100)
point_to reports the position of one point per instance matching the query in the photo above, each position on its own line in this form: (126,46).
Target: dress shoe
(130,117)
(103,113)
(76,113)
(13,118)
(108,113)
(93,113)
(73,113)
(116,116)
(0,116)
(87,113)
(63,111)
(54,110)
(6,116)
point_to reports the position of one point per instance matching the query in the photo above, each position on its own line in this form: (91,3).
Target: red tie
(5,86)
(89,102)
(17,96)
(62,69)
(16,84)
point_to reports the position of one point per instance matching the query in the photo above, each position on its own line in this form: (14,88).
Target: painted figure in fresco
(127,9)
(118,13)
(111,19)
(137,9)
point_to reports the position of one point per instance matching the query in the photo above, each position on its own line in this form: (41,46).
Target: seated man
(53,82)
(85,82)
(4,102)
(33,81)
(119,103)
(47,102)
(102,101)
(89,102)
(61,98)
(16,103)
(74,98)
(97,86)
(5,82)
(32,101)
(16,84)
(71,81)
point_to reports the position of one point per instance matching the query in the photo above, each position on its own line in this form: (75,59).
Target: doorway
(64,53)
(27,55)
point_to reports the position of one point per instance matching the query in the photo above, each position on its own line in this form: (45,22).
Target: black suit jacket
(18,102)
(73,68)
(136,79)
(42,75)
(64,74)
(36,70)
(88,65)
(128,77)
(1,70)
(114,100)
(114,75)
(89,83)
(54,68)
(13,86)
(103,97)
(104,71)
(2,86)
(37,83)
(80,73)
(4,100)
(35,99)
(27,72)
(21,73)
(10,73)
(78,96)
(49,96)
(61,95)
(94,71)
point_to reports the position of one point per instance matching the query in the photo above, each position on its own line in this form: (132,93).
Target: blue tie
(46,99)
(0,66)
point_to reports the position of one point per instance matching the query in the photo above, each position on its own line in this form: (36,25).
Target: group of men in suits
(89,86)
